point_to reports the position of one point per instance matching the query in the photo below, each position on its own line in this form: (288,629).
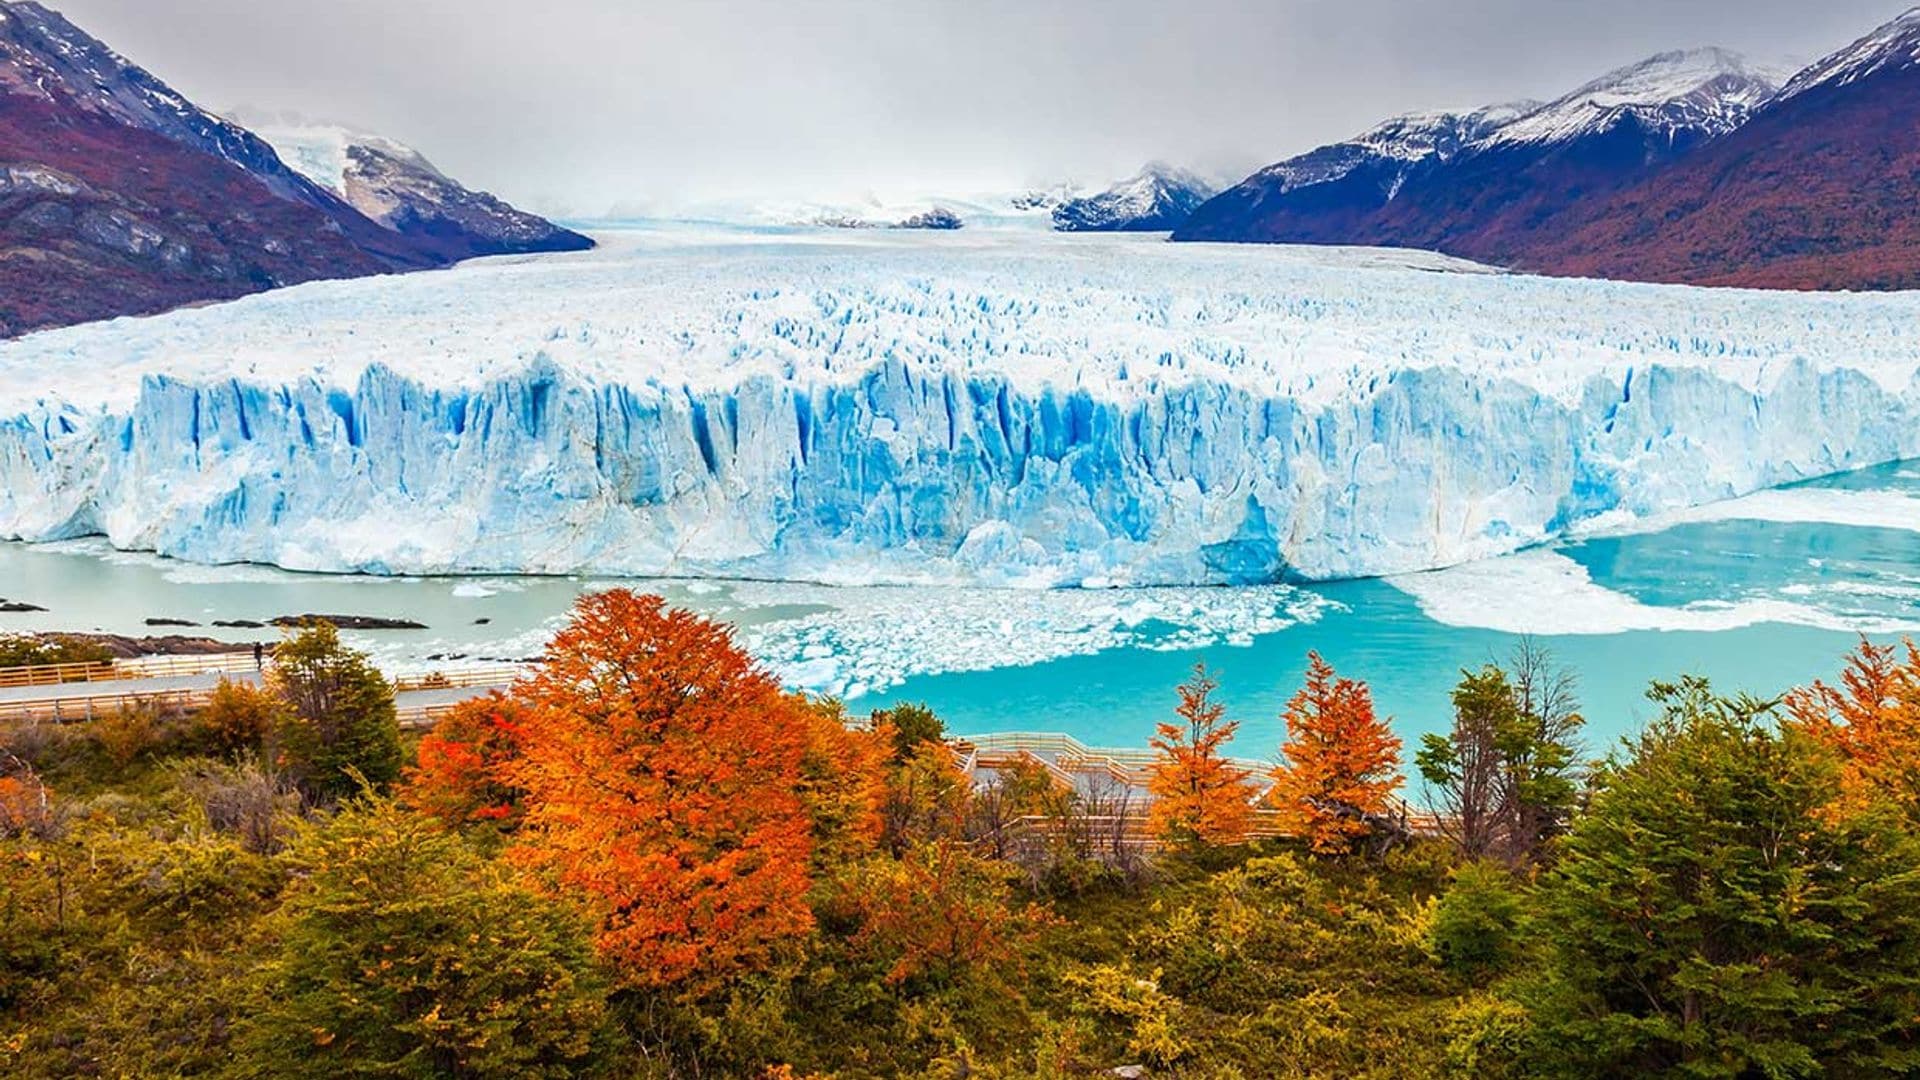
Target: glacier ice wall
(1025,414)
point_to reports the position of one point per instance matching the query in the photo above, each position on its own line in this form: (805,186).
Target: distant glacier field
(981,408)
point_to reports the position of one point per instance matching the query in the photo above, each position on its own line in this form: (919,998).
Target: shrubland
(650,860)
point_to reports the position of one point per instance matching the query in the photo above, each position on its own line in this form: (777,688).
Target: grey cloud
(585,103)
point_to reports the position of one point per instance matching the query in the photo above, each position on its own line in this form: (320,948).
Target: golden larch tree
(661,773)
(1199,797)
(1340,763)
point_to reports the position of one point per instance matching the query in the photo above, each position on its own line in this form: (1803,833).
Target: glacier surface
(1001,408)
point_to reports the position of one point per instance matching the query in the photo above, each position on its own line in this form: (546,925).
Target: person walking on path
(259,657)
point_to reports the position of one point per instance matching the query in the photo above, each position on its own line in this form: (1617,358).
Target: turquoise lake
(1759,594)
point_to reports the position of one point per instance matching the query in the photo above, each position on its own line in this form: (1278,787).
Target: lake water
(1759,594)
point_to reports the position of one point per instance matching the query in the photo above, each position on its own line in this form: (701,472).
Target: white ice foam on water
(1544,592)
(1789,506)
(1904,593)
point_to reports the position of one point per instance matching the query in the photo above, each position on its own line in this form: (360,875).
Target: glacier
(1002,408)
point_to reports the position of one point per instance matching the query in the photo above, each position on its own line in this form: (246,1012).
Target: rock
(126,648)
(1129,1072)
(351,622)
(19,605)
(171,622)
(937,218)
(240,624)
(481,622)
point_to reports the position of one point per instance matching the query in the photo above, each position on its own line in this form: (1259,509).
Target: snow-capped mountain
(1494,185)
(1156,199)
(1398,144)
(1893,47)
(43,56)
(1819,190)
(1341,184)
(397,187)
(1693,95)
(123,197)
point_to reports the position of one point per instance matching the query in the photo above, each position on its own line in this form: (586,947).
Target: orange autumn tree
(1872,721)
(1199,797)
(1341,763)
(662,772)
(463,764)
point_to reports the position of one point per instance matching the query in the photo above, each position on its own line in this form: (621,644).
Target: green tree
(1504,778)
(1463,768)
(909,725)
(339,719)
(404,954)
(1709,916)
(1476,923)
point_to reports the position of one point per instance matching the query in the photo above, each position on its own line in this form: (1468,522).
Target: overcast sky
(574,105)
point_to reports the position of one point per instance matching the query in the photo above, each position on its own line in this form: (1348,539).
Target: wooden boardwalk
(1106,778)
(79,692)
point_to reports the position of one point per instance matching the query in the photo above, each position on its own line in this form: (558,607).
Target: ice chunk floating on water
(1544,592)
(870,640)
(1009,409)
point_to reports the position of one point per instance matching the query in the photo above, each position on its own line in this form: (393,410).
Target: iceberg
(1009,409)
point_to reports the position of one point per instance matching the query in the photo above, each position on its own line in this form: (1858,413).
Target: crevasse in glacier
(1006,409)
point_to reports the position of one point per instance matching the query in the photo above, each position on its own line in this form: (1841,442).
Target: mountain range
(1157,199)
(119,196)
(1695,167)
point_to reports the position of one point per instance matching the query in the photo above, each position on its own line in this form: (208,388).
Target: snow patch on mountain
(1156,199)
(396,186)
(323,152)
(1893,47)
(1003,408)
(45,56)
(1408,140)
(1705,91)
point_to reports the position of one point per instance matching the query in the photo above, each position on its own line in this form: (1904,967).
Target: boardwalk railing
(145,667)
(1131,829)
(1065,758)
(76,708)
(459,678)
(1129,766)
(423,717)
